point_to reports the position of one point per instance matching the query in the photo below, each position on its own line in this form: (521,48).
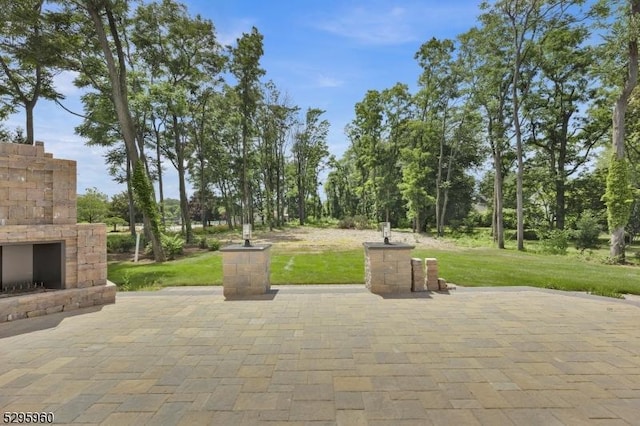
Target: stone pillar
(432,274)
(387,267)
(417,274)
(245,270)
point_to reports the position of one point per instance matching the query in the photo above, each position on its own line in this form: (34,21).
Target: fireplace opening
(31,267)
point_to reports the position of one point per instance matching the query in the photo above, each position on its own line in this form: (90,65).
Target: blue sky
(322,54)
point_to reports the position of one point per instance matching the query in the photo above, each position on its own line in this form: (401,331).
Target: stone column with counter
(387,267)
(245,270)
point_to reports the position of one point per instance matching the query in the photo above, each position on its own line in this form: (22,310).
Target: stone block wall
(388,268)
(246,270)
(35,188)
(34,305)
(92,254)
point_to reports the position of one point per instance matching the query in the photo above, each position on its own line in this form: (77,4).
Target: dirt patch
(340,239)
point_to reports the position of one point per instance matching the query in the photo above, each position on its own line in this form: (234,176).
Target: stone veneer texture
(388,268)
(246,270)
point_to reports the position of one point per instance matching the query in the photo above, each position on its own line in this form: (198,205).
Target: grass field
(464,266)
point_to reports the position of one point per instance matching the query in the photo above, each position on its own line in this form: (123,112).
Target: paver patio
(330,355)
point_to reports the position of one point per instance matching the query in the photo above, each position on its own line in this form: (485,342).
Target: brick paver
(332,355)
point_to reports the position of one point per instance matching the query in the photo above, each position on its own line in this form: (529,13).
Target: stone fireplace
(42,248)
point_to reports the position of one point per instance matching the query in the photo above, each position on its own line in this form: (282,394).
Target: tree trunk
(202,194)
(439,220)
(519,151)
(29,107)
(184,201)
(499,202)
(132,211)
(159,166)
(617,249)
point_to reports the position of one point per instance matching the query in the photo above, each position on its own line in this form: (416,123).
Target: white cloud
(326,81)
(380,25)
(228,34)
(63,83)
(367,26)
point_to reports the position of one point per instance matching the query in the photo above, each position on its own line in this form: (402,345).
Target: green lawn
(493,267)
(466,267)
(206,269)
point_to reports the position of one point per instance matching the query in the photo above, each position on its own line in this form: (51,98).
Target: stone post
(245,270)
(417,274)
(432,274)
(387,267)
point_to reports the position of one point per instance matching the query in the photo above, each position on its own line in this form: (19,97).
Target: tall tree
(183,57)
(103,22)
(485,54)
(275,120)
(618,196)
(309,151)
(245,66)
(562,135)
(30,52)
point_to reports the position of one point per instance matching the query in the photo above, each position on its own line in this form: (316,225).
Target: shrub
(587,232)
(361,222)
(120,243)
(470,222)
(213,229)
(214,245)
(555,241)
(346,223)
(171,244)
(217,229)
(202,243)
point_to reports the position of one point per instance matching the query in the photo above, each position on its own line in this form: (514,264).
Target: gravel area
(323,238)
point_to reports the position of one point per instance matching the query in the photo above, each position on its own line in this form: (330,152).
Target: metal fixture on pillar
(246,234)
(386,231)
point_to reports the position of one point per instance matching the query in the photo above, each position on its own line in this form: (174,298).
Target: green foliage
(172,245)
(32,43)
(555,241)
(144,195)
(346,223)
(120,243)
(633,227)
(115,221)
(587,231)
(356,222)
(213,229)
(93,206)
(619,194)
(202,243)
(213,245)
(322,222)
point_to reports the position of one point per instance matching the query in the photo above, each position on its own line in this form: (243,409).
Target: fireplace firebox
(25,267)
